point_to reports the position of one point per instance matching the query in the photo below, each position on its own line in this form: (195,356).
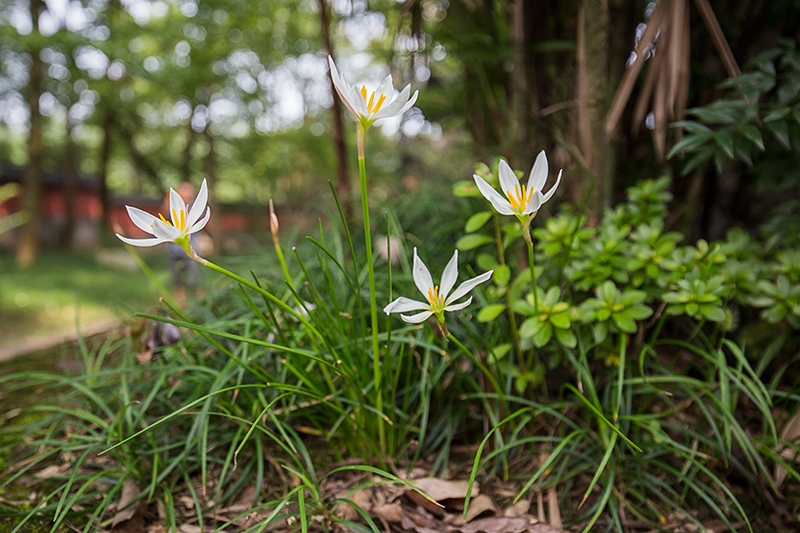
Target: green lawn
(63,287)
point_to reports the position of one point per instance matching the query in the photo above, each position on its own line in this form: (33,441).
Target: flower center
(435,299)
(372,100)
(519,198)
(178,216)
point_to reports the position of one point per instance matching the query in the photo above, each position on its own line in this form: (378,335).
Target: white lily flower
(180,225)
(439,297)
(519,200)
(366,107)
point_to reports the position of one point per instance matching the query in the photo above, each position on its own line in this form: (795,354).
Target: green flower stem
(532,266)
(361,137)
(534,287)
(512,319)
(271,297)
(480,365)
(620,376)
(268,295)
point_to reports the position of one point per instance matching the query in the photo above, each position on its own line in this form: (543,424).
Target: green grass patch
(64,287)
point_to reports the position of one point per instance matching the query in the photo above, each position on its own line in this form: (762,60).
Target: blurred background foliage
(143,94)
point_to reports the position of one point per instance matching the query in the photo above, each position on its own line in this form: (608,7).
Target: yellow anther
(371,100)
(364,92)
(434,298)
(519,198)
(379,104)
(164,220)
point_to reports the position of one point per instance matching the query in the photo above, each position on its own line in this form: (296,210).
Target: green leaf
(639,312)
(773,315)
(543,336)
(470,242)
(726,143)
(566,337)
(487,262)
(560,320)
(600,332)
(465,189)
(490,312)
(477,221)
(712,312)
(780,130)
(690,143)
(752,134)
(501,275)
(624,322)
(530,327)
(499,351)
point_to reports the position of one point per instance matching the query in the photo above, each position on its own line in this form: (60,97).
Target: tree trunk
(593,91)
(102,178)
(28,243)
(342,181)
(70,186)
(519,138)
(211,175)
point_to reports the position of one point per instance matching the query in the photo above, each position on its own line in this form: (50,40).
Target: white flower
(439,298)
(180,225)
(519,200)
(366,107)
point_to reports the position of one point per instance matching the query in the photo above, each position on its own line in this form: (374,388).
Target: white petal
(449,276)
(334,72)
(422,277)
(508,180)
(140,242)
(176,205)
(198,206)
(552,191)
(143,220)
(165,232)
(500,204)
(201,224)
(538,173)
(416,319)
(384,89)
(534,204)
(467,286)
(458,307)
(342,87)
(396,106)
(404,305)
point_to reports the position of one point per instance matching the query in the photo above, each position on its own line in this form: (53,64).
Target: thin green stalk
(512,320)
(361,137)
(480,365)
(271,297)
(534,288)
(532,266)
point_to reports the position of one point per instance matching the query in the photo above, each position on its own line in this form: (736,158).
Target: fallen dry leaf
(189,528)
(498,524)
(479,505)
(518,509)
(790,433)
(391,512)
(52,471)
(127,510)
(440,489)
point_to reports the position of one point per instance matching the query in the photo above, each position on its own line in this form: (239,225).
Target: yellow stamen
(434,298)
(183,220)
(371,100)
(519,198)
(164,220)
(380,103)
